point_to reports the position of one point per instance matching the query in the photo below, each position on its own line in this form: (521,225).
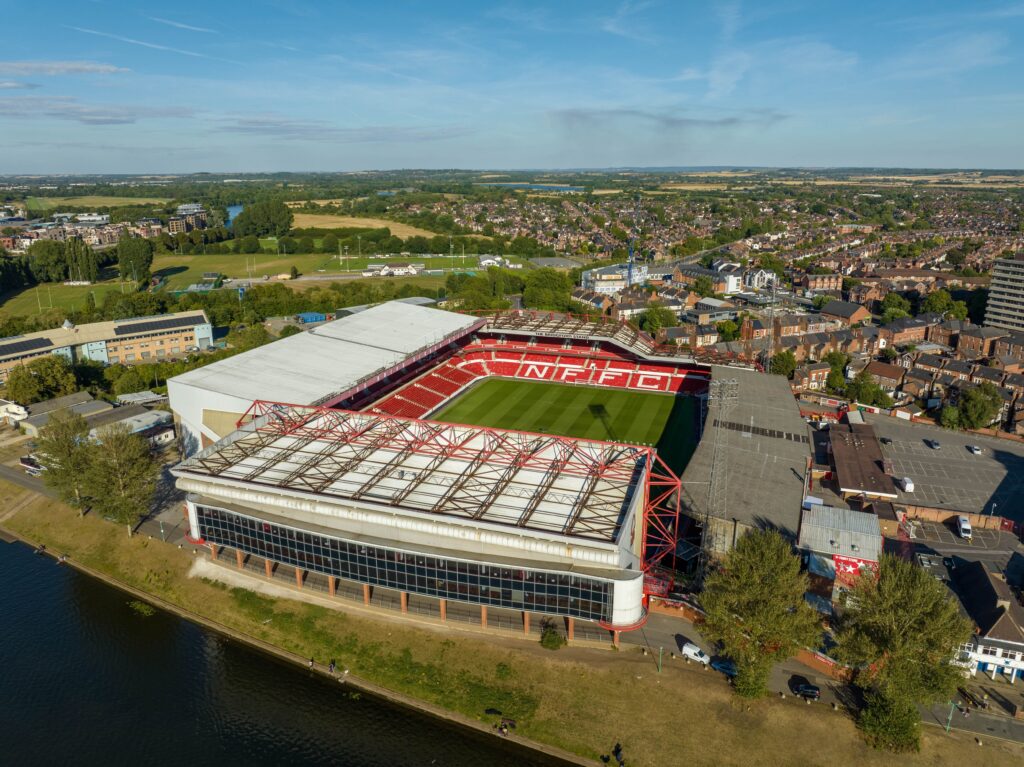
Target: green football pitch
(587,412)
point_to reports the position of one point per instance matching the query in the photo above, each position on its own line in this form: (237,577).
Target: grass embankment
(576,699)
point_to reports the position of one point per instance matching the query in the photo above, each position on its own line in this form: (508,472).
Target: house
(978,342)
(997,646)
(889,377)
(759,279)
(948,332)
(812,376)
(597,301)
(1010,345)
(906,330)
(820,283)
(959,369)
(917,383)
(721,282)
(984,373)
(789,325)
(869,295)
(704,335)
(929,363)
(753,328)
(845,312)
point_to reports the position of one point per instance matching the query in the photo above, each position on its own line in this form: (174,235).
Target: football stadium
(523,463)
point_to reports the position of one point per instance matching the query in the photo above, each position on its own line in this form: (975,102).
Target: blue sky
(304,85)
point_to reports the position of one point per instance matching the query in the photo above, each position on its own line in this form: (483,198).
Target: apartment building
(1006,295)
(126,342)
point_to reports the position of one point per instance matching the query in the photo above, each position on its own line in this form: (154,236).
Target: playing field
(587,412)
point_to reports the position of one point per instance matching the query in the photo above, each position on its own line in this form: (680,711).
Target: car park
(694,653)
(963,527)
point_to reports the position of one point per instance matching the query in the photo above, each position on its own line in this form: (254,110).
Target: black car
(885,441)
(802,688)
(933,444)
(807,691)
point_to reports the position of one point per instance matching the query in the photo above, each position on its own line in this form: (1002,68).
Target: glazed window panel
(519,589)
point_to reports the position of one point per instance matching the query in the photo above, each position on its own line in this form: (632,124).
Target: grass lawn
(27,302)
(588,412)
(580,699)
(90,201)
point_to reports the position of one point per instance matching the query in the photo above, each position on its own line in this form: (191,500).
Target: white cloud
(949,55)
(13,85)
(58,68)
(285,128)
(68,108)
(179,25)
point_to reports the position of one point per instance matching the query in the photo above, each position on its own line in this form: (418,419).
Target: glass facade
(478,583)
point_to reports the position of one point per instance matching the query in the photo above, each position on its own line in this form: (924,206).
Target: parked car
(885,441)
(802,688)
(963,527)
(691,651)
(907,485)
(724,666)
(933,444)
(974,449)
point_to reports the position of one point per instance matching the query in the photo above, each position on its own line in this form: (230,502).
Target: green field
(57,295)
(587,412)
(182,271)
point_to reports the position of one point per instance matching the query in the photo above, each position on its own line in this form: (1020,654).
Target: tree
(273,219)
(656,317)
(783,364)
(249,244)
(902,629)
(950,417)
(889,354)
(64,449)
(820,302)
(728,330)
(329,244)
(130,381)
(754,606)
(894,307)
(248,338)
(289,330)
(294,272)
(121,475)
(547,288)
(134,258)
(979,406)
(47,262)
(42,378)
(941,302)
(703,286)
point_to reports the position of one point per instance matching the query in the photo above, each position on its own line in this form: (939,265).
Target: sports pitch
(587,412)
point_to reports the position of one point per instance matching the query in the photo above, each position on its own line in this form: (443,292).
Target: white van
(963,526)
(691,651)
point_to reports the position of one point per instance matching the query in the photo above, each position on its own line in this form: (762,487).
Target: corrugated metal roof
(846,532)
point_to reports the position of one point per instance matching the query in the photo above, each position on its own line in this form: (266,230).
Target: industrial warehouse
(318,455)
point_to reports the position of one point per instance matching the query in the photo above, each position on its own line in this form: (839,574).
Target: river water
(85,680)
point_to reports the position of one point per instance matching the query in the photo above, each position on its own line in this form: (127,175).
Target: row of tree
(114,475)
(899,630)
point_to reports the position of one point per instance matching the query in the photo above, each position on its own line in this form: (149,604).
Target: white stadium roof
(539,482)
(314,366)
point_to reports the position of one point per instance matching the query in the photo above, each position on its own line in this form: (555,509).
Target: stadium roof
(538,482)
(765,454)
(325,362)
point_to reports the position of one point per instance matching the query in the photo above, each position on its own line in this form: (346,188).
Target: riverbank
(578,701)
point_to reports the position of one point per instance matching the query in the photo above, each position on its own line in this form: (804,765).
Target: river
(88,681)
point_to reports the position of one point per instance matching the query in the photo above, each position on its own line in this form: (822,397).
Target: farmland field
(587,412)
(327,221)
(90,201)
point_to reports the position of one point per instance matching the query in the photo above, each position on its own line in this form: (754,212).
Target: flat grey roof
(766,452)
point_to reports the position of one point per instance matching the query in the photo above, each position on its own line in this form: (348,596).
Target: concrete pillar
(615,638)
(298,577)
(526,623)
(268,566)
(331,584)
(483,616)
(213,551)
(405,601)
(239,558)
(366,593)
(443,604)
(571,628)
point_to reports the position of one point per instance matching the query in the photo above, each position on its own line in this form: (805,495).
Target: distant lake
(540,187)
(233,211)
